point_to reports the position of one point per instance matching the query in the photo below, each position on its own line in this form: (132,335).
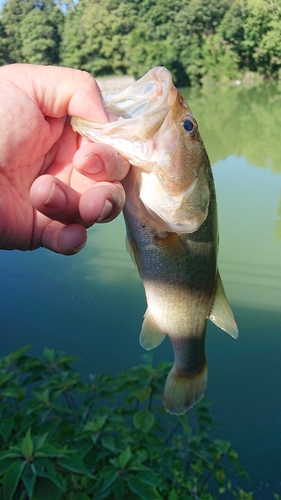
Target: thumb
(60,91)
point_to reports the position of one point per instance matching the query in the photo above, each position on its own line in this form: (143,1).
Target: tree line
(199,41)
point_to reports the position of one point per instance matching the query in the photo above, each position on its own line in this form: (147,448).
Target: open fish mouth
(143,96)
(136,114)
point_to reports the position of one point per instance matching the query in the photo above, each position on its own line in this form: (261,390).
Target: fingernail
(91,164)
(77,249)
(107,209)
(56,198)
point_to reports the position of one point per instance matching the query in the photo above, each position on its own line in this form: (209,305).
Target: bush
(109,438)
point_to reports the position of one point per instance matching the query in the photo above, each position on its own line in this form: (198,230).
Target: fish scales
(179,276)
(171,220)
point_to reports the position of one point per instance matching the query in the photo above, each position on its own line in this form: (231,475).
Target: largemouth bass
(171,221)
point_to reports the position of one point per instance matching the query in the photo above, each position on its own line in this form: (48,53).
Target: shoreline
(114,84)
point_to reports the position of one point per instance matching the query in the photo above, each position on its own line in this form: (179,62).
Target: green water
(92,304)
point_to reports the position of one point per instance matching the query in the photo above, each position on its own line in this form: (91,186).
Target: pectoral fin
(130,250)
(150,335)
(133,251)
(221,313)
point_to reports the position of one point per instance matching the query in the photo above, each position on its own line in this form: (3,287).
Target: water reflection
(240,121)
(249,249)
(278,222)
(92,304)
(105,255)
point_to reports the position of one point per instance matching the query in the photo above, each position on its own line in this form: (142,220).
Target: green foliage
(109,438)
(31,31)
(199,41)
(13,13)
(94,36)
(40,34)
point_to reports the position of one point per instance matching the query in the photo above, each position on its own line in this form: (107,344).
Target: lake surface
(91,305)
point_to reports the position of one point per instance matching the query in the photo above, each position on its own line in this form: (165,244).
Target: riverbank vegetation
(199,41)
(109,438)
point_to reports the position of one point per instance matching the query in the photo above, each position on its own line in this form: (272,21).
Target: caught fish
(171,221)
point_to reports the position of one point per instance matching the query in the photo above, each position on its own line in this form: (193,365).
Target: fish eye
(190,125)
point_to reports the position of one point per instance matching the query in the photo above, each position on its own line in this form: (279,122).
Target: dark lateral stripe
(190,358)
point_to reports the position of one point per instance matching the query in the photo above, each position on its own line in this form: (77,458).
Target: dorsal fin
(221,313)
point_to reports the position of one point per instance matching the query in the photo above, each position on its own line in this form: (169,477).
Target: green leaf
(143,420)
(46,490)
(5,463)
(45,468)
(107,478)
(65,359)
(144,491)
(197,467)
(19,352)
(148,476)
(49,354)
(11,479)
(96,424)
(220,475)
(222,446)
(6,426)
(40,441)
(48,450)
(11,454)
(28,478)
(124,458)
(119,489)
(27,445)
(75,464)
(109,443)
(173,495)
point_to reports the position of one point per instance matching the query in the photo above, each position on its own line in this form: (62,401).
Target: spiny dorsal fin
(221,313)
(150,335)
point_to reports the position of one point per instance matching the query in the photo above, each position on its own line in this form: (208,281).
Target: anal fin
(221,313)
(150,335)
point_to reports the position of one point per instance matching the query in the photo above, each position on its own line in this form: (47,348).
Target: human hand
(53,183)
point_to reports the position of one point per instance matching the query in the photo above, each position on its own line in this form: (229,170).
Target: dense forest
(199,41)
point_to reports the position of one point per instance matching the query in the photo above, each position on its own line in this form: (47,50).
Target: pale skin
(53,183)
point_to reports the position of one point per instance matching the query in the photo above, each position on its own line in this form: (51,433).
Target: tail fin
(182,391)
